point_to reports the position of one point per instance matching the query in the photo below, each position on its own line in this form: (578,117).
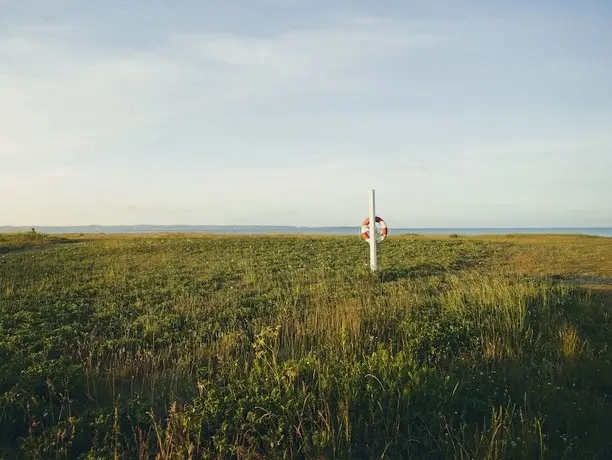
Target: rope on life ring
(365,230)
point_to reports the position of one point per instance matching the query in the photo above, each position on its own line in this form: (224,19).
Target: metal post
(373,261)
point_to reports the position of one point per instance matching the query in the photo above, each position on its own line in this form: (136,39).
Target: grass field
(175,346)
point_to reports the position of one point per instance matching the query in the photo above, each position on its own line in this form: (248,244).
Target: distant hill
(266,229)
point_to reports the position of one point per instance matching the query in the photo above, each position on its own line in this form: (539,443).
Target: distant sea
(260,230)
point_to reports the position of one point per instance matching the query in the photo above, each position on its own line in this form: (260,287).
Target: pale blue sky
(476,113)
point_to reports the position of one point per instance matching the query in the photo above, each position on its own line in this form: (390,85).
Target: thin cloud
(98,95)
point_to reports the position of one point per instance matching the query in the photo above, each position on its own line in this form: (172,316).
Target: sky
(286,112)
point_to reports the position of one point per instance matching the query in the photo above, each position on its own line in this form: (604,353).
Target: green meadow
(200,346)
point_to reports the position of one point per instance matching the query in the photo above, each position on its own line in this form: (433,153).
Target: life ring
(365,230)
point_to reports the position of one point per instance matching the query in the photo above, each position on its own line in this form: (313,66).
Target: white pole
(373,261)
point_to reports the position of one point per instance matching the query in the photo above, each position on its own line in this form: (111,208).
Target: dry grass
(558,254)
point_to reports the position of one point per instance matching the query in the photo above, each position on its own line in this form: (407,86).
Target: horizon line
(303,226)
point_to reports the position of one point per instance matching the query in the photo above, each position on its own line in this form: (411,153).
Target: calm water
(598,231)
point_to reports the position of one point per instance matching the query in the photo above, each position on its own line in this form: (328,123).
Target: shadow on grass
(37,246)
(417,271)
(598,287)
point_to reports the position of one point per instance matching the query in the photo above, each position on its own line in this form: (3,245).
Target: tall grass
(190,347)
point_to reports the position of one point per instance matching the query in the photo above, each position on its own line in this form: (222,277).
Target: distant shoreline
(263,230)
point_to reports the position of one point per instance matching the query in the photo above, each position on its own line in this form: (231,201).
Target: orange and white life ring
(365,230)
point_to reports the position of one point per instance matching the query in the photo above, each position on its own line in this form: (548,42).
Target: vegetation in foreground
(272,347)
